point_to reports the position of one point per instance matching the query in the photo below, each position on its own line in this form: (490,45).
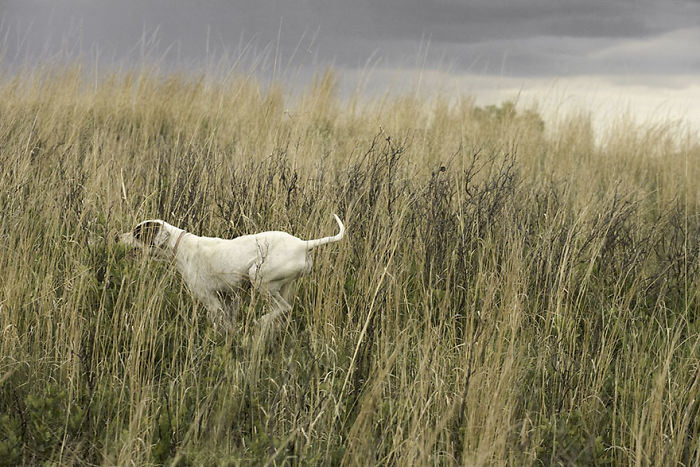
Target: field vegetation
(511,289)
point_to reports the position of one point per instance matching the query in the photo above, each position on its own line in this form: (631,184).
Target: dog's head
(147,235)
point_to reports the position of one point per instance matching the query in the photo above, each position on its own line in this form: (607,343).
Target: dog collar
(177,242)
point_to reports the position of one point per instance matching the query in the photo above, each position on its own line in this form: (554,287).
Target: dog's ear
(147,232)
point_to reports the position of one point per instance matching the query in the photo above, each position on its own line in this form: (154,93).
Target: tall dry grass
(510,290)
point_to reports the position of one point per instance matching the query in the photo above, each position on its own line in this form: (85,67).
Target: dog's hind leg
(287,291)
(279,308)
(279,305)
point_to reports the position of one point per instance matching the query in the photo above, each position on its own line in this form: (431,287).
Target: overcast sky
(640,52)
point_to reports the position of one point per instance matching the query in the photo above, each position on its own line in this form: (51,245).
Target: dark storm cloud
(473,21)
(533,38)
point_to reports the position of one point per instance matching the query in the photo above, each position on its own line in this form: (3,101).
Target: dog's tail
(322,241)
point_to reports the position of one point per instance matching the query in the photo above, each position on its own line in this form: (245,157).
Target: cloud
(645,45)
(671,53)
(348,32)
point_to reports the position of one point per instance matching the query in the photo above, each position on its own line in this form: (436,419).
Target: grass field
(510,291)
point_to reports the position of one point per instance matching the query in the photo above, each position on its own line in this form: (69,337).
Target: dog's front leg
(231,307)
(215,310)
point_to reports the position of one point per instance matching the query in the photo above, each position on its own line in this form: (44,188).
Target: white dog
(214,269)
